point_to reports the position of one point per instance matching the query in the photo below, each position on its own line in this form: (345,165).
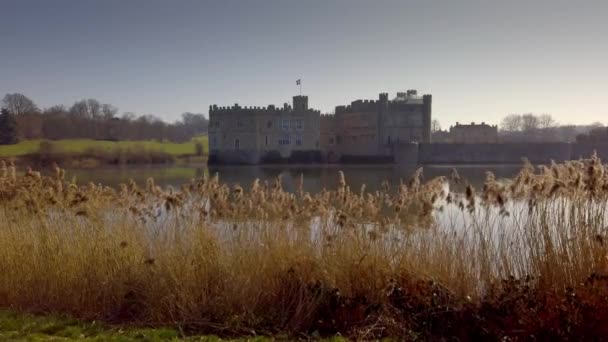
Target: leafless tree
(511,123)
(546,121)
(435,126)
(529,122)
(18,104)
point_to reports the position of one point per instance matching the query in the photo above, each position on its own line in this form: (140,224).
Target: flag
(298,82)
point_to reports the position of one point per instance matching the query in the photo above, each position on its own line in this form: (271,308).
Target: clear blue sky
(480,59)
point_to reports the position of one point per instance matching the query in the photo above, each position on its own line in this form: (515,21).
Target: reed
(518,258)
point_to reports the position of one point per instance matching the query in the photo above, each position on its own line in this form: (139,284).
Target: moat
(316,177)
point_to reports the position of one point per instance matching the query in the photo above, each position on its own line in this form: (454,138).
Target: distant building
(252,135)
(468,134)
(368,130)
(365,130)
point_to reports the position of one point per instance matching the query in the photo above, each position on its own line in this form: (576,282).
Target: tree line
(531,127)
(89,119)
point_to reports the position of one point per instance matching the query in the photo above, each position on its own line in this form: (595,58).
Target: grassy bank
(82,153)
(77,146)
(520,259)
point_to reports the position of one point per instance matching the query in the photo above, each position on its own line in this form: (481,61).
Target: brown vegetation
(524,259)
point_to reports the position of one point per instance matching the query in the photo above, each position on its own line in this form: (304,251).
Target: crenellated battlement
(403,99)
(246,109)
(270,109)
(474,125)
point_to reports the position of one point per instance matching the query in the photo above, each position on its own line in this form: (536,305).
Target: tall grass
(521,258)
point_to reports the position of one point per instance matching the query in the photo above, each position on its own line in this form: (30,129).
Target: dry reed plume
(521,258)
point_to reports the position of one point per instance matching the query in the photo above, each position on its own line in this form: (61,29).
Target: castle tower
(300,103)
(426,118)
(383,98)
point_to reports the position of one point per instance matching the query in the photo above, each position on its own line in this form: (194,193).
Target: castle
(468,134)
(380,130)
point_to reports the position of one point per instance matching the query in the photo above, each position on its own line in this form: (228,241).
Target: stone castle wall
(364,131)
(413,153)
(253,135)
(506,153)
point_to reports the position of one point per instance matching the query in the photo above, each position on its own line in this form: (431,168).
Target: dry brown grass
(518,258)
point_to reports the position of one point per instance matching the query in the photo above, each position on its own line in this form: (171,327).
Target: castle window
(237,144)
(284,123)
(298,139)
(284,140)
(214,142)
(239,123)
(331,141)
(389,140)
(299,124)
(266,140)
(269,124)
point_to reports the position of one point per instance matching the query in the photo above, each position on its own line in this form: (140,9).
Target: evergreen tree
(8,128)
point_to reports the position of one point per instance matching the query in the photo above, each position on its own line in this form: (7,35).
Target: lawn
(80,145)
(25,327)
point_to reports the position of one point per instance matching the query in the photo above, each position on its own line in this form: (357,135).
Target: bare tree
(546,121)
(435,126)
(18,104)
(511,123)
(108,111)
(529,122)
(194,124)
(27,115)
(57,124)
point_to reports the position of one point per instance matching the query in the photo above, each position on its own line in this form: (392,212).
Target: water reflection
(315,177)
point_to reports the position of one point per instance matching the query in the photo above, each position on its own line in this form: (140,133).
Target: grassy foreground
(76,146)
(524,259)
(24,327)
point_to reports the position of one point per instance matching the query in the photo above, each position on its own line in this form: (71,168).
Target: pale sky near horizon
(479,59)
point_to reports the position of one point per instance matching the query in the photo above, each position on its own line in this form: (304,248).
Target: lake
(316,177)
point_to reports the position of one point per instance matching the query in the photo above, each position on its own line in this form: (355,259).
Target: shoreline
(87,161)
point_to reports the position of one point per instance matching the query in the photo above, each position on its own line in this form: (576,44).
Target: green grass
(24,327)
(80,145)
